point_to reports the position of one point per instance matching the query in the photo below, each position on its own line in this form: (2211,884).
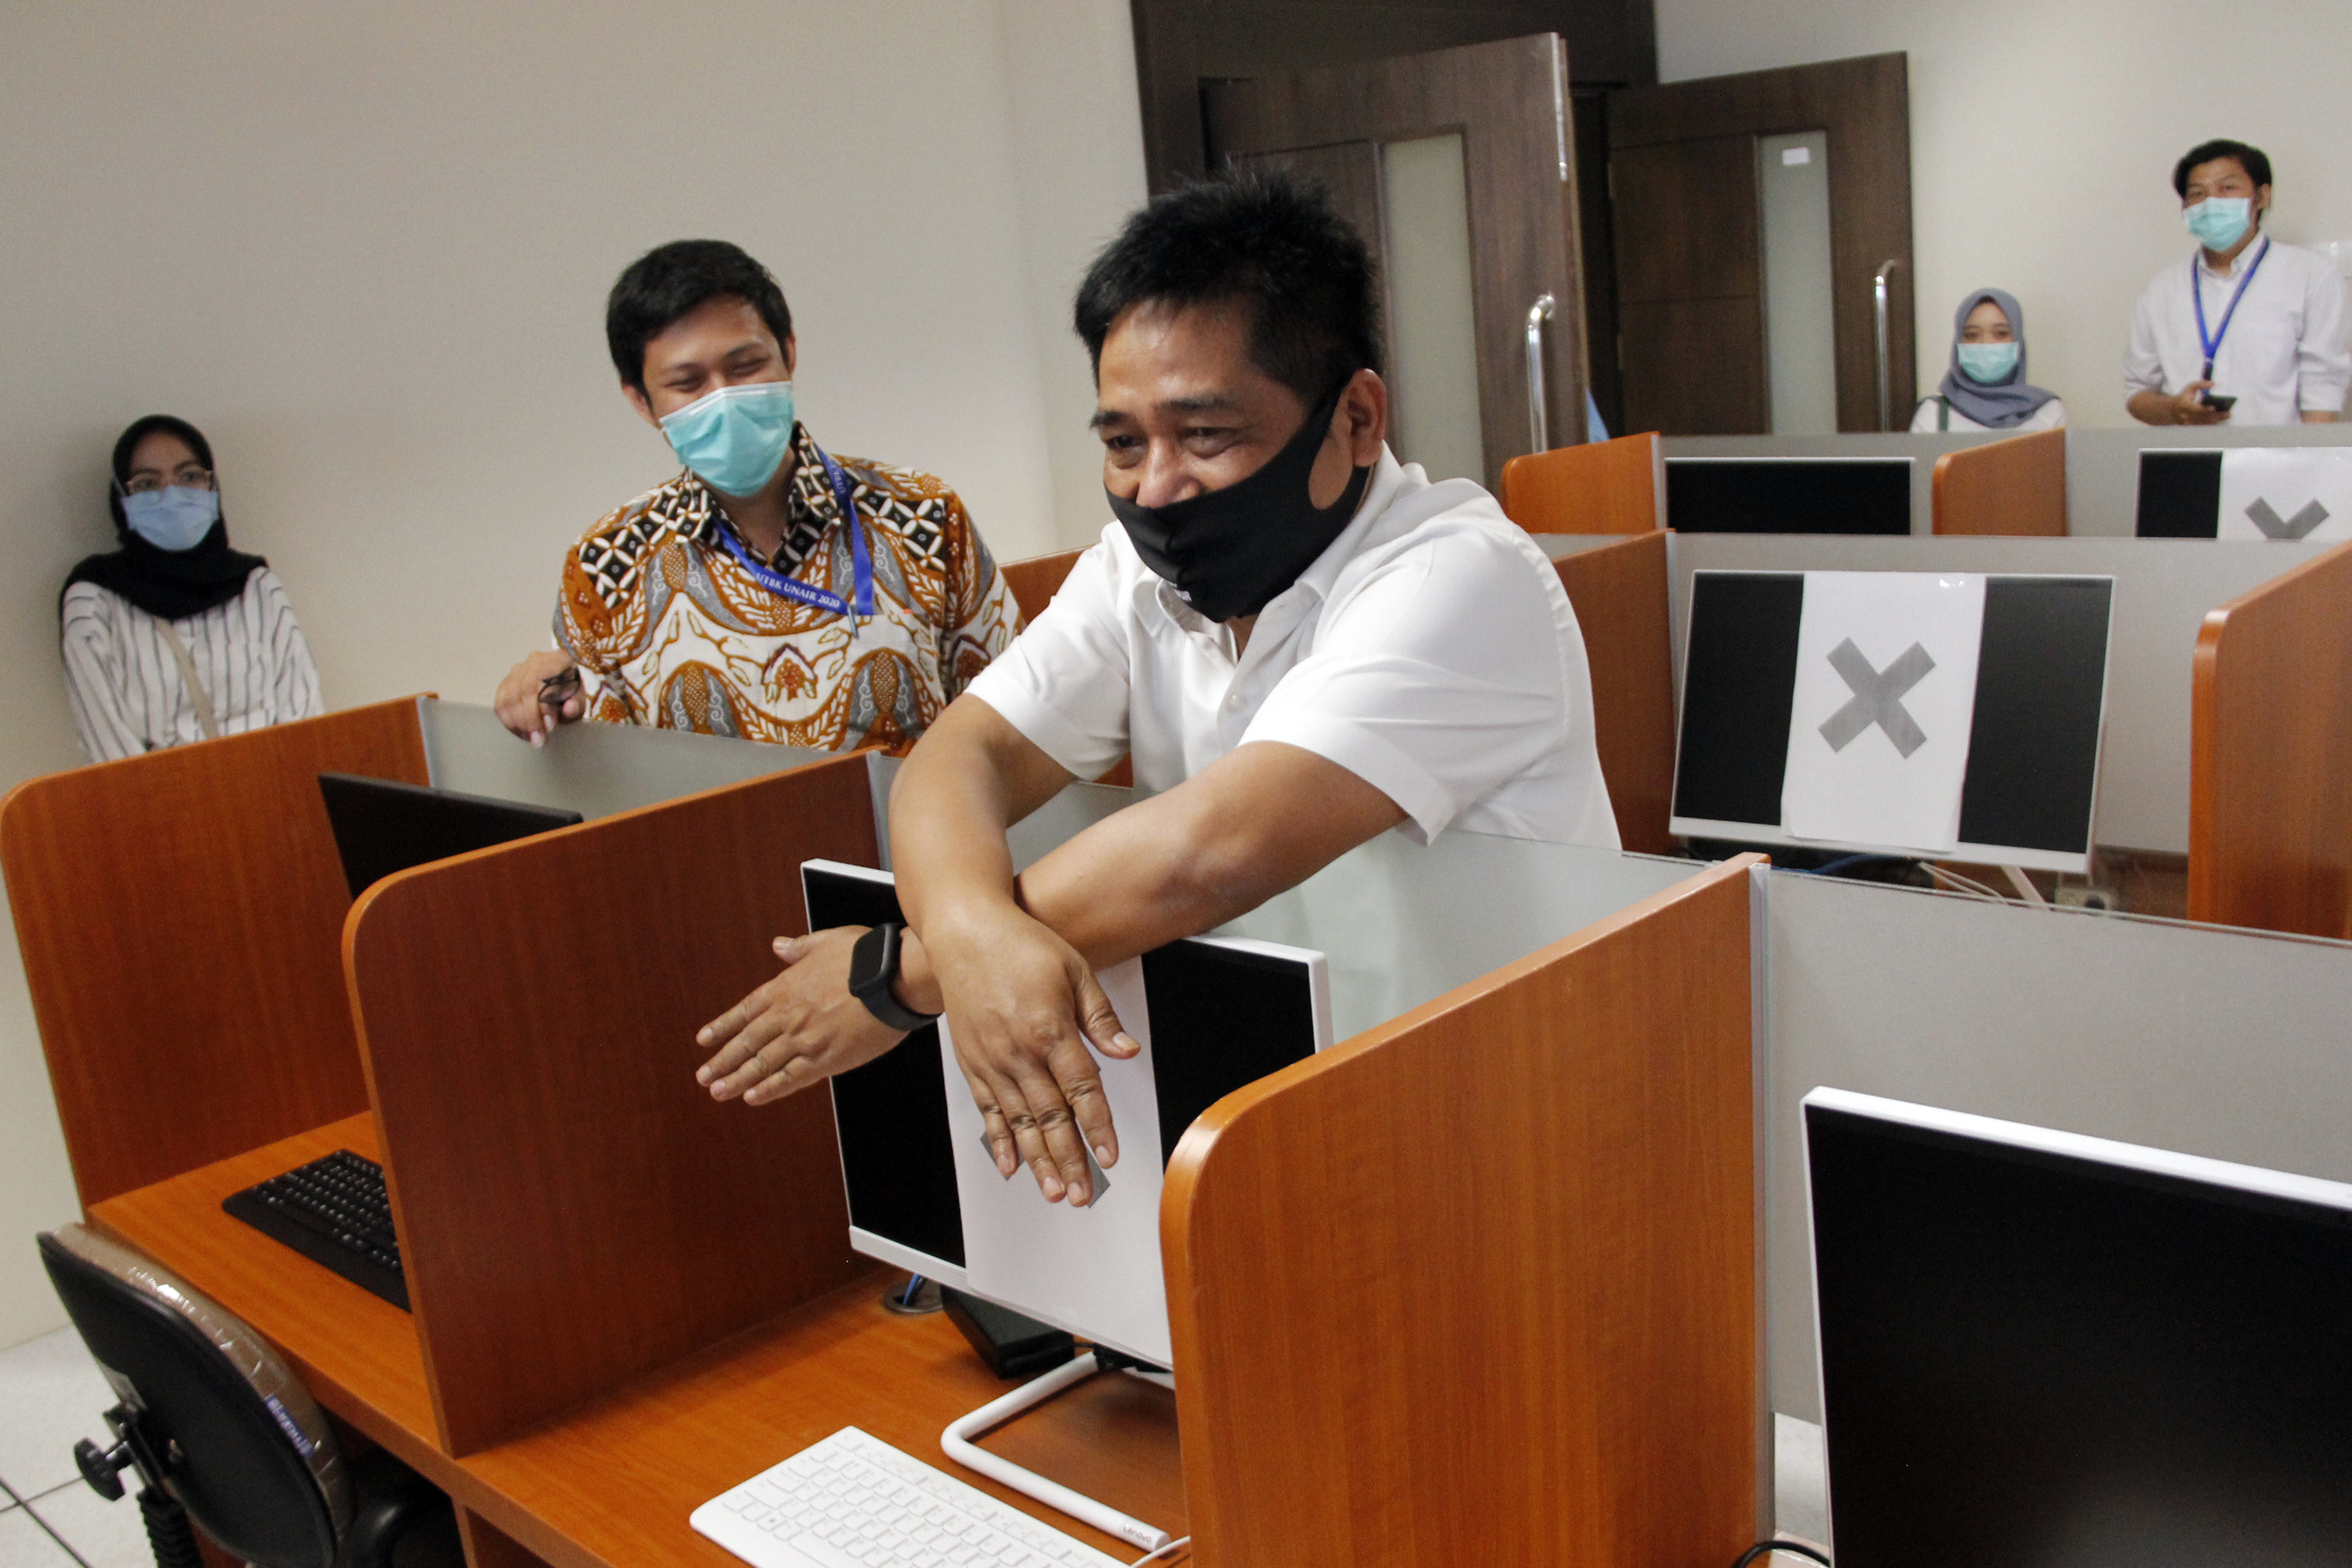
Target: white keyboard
(853,1501)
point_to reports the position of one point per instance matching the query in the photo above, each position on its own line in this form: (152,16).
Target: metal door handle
(1538,409)
(1878,306)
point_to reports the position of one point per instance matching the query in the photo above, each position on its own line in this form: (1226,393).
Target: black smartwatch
(874,969)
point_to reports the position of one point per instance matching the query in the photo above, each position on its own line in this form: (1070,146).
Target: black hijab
(172,583)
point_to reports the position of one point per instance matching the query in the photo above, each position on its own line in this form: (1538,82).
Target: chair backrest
(255,1464)
(1602,486)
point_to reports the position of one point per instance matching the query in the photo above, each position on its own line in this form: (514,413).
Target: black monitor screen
(382,826)
(1788,495)
(2179,494)
(2034,1358)
(1222,1018)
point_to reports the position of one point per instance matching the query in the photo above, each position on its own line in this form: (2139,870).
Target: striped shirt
(127,692)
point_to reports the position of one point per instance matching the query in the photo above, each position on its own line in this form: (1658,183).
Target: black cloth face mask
(1228,551)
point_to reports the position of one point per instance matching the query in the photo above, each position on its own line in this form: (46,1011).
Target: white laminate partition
(2163,589)
(2203,1039)
(596,769)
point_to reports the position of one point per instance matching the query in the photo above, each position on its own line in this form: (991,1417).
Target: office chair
(219,1430)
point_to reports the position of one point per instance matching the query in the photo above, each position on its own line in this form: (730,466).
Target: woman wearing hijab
(1985,388)
(175,636)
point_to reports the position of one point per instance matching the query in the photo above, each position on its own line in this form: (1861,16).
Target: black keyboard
(335,1213)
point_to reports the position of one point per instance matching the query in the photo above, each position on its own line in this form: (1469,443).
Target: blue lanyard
(792,588)
(2212,345)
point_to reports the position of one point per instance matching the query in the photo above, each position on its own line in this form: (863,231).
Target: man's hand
(1023,1008)
(800,1027)
(2186,406)
(518,704)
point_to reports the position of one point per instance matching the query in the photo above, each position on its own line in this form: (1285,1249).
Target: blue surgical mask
(735,439)
(176,518)
(2218,222)
(1988,364)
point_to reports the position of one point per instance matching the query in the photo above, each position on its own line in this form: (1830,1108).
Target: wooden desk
(611,1485)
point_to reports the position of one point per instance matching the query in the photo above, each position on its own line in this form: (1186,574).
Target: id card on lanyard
(800,592)
(2211,343)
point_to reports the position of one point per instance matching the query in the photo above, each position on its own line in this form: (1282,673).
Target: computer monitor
(2042,1348)
(2179,493)
(382,826)
(1223,1012)
(1788,495)
(2034,737)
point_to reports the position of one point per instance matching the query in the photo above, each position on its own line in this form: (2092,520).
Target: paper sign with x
(2281,494)
(1881,711)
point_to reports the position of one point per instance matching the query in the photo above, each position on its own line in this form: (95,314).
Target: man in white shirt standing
(1302,642)
(2246,330)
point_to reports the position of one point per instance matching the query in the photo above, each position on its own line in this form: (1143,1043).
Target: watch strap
(874,970)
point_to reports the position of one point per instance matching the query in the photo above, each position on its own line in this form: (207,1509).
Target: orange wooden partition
(2270,755)
(1603,486)
(2012,487)
(1035,581)
(1478,1286)
(178,913)
(573,1209)
(1620,595)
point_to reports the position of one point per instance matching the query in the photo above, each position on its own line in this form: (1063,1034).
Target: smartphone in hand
(2219,402)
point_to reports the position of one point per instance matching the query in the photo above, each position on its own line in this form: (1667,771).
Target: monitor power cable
(1176,1545)
(1763,1549)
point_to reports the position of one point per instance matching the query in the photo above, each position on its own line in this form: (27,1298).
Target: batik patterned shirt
(671,630)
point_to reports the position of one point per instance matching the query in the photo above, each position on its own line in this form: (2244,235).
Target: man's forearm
(2149,407)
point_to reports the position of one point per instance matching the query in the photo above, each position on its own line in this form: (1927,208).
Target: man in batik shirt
(771,591)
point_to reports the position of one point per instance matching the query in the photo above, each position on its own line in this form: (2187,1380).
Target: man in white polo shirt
(1302,643)
(2245,328)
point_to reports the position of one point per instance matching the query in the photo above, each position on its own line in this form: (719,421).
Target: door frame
(1864,105)
(1509,101)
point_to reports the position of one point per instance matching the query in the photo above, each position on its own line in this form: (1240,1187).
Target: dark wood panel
(1596,238)
(1522,195)
(179,914)
(1180,45)
(1695,367)
(1547,1359)
(1621,597)
(572,1208)
(1863,105)
(1686,221)
(2270,755)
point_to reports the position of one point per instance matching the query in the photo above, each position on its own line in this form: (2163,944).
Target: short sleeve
(2325,370)
(1437,680)
(1064,681)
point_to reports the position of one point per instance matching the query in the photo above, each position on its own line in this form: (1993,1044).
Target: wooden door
(1683,175)
(1356,127)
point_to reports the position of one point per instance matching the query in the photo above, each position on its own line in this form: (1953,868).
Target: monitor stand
(957,1440)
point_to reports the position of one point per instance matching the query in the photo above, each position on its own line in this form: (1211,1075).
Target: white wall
(2042,139)
(365,248)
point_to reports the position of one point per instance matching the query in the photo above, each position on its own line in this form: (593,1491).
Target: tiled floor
(51,1394)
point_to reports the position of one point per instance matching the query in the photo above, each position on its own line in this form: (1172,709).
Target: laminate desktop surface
(612,1483)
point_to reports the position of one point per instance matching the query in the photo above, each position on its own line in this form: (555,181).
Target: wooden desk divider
(2270,763)
(1603,486)
(1621,597)
(574,1211)
(178,915)
(2013,487)
(1479,1285)
(1035,581)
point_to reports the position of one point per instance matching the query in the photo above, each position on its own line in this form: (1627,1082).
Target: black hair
(674,279)
(1268,241)
(2253,159)
(128,442)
